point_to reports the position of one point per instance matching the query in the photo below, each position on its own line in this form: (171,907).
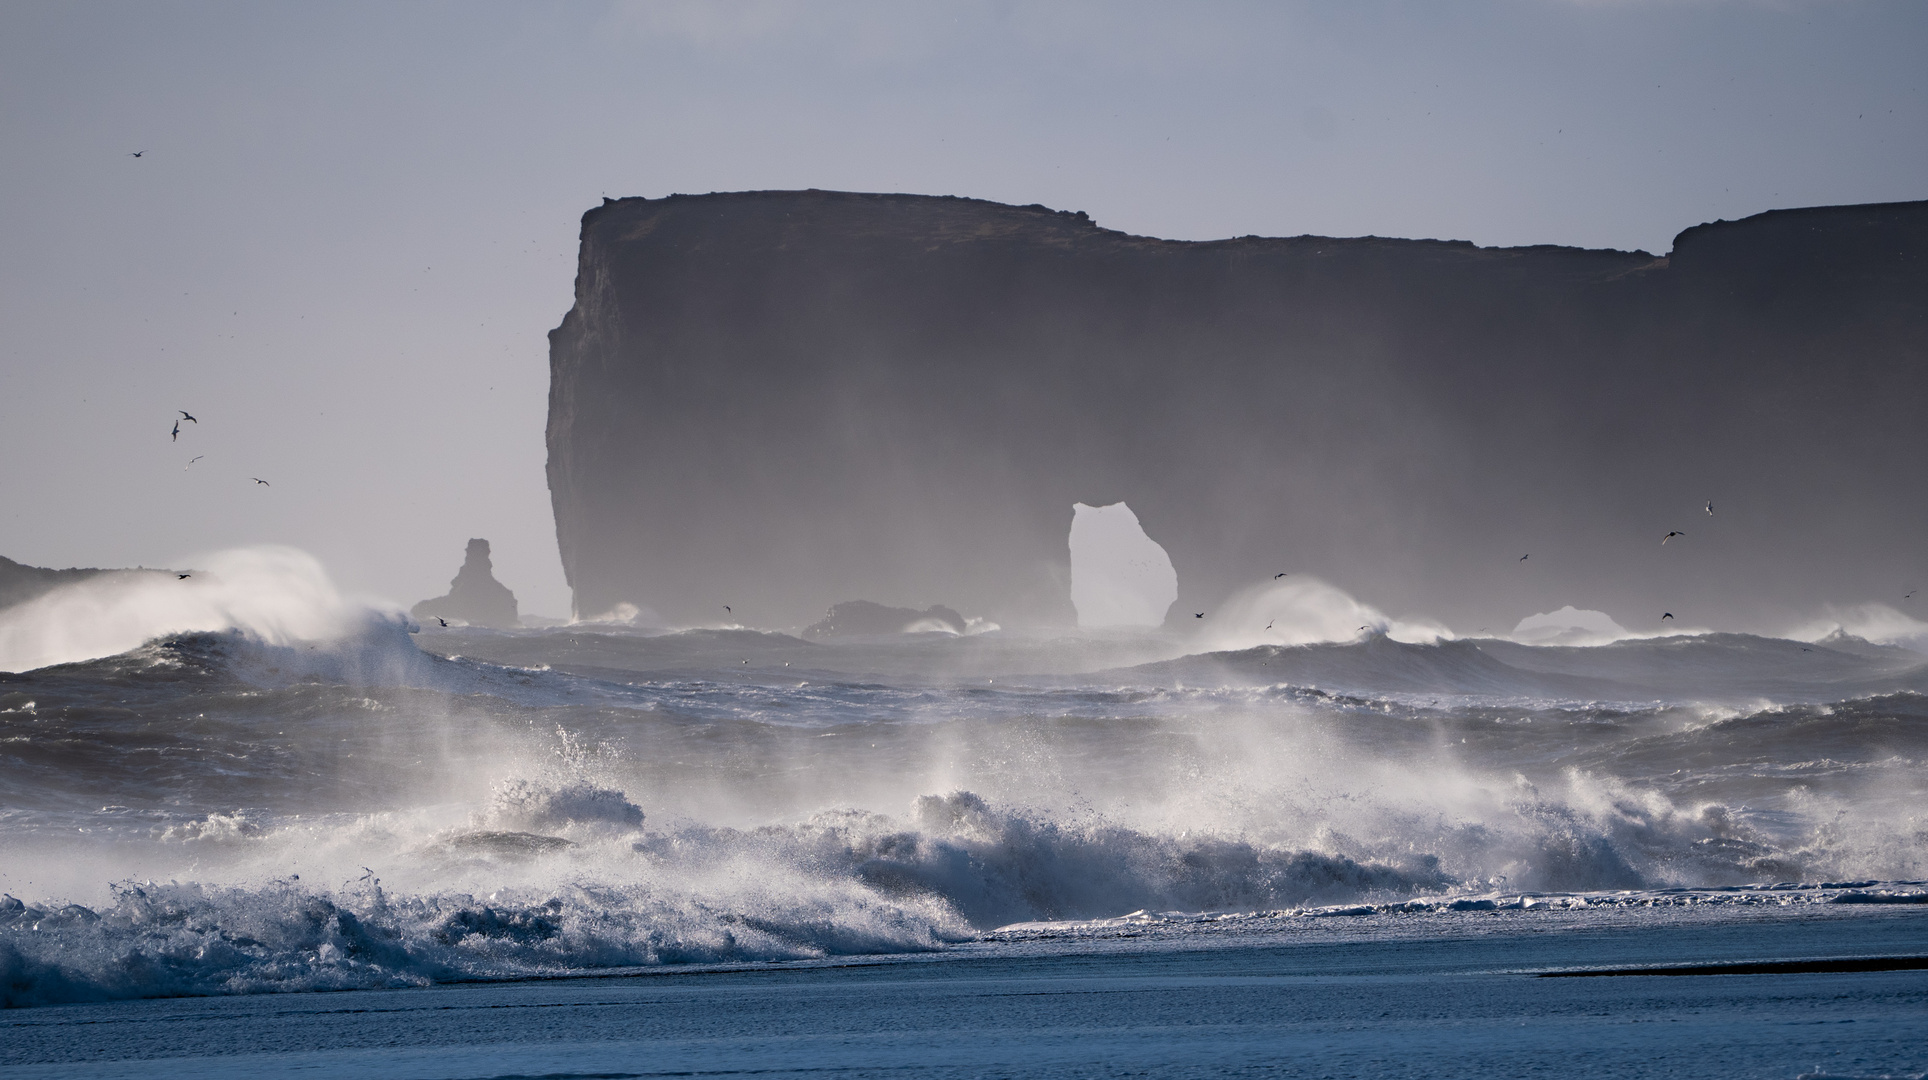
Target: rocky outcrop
(20,583)
(474,596)
(862,618)
(802,396)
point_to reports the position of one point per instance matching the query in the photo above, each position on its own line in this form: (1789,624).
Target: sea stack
(474,596)
(798,397)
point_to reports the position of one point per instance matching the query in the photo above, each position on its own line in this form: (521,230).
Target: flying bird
(1670,536)
(183,577)
(1667,616)
(1522,558)
(1710,508)
(191,461)
(727,611)
(176,435)
(1268,625)
(137,153)
(260,481)
(1198,615)
(1276,577)
(441,620)
(185,415)
(1910,594)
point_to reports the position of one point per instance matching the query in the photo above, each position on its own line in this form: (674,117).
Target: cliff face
(780,400)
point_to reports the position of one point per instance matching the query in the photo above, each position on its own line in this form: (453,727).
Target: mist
(350,231)
(980,538)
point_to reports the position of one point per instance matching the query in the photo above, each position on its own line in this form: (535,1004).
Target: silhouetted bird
(137,153)
(727,611)
(1268,625)
(1667,616)
(1522,558)
(441,620)
(1710,508)
(185,415)
(1198,615)
(176,433)
(1670,536)
(1911,594)
(260,481)
(183,577)
(1276,577)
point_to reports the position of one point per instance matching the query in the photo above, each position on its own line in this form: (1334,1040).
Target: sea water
(251,806)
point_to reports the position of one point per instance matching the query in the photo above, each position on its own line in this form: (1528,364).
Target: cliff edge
(789,398)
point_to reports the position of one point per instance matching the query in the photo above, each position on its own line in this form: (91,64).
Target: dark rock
(792,397)
(474,596)
(20,583)
(861,618)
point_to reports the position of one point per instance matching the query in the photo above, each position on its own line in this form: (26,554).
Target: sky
(351,226)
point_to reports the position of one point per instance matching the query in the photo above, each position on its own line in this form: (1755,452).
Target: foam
(276,595)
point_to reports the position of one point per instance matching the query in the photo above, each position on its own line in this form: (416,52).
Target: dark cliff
(780,400)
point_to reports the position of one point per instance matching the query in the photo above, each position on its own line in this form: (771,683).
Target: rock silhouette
(20,583)
(474,596)
(802,396)
(862,618)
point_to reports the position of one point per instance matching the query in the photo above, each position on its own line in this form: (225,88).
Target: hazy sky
(354,224)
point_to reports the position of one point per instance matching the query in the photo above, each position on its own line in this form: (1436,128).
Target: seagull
(1670,536)
(176,435)
(183,577)
(1710,508)
(727,611)
(260,481)
(191,461)
(1198,615)
(1276,577)
(441,620)
(1911,594)
(1667,616)
(137,153)
(1268,625)
(1522,558)
(185,415)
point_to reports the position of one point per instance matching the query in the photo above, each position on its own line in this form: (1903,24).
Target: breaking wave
(305,795)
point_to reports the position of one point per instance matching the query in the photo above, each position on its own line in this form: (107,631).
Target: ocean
(1003,853)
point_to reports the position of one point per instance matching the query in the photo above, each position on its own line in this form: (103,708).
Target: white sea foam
(294,795)
(276,595)
(1302,610)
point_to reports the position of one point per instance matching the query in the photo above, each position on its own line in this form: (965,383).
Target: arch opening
(1119,576)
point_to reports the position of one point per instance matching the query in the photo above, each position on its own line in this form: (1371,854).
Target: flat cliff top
(938,220)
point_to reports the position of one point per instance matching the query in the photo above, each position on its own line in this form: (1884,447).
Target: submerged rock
(862,618)
(475,596)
